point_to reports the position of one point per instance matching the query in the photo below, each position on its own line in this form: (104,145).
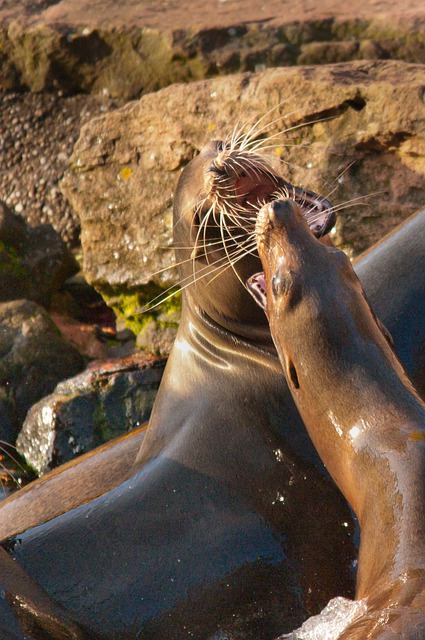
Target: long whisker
(232,263)
(256,145)
(191,279)
(255,130)
(238,135)
(229,204)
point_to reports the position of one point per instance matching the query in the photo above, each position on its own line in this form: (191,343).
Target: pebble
(37,136)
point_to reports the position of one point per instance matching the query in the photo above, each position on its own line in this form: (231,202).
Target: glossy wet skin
(364,417)
(220,526)
(228,523)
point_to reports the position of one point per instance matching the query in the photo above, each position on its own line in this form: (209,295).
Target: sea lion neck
(228,333)
(361,411)
(238,371)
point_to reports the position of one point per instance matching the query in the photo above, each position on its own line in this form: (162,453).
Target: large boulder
(351,131)
(129,47)
(34,357)
(64,62)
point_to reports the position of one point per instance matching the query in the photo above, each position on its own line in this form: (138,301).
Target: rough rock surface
(131,47)
(105,401)
(34,357)
(37,135)
(127,48)
(354,132)
(34,261)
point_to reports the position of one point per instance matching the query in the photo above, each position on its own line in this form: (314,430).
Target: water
(331,622)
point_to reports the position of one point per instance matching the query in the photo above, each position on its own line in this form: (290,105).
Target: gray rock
(34,357)
(34,261)
(353,133)
(105,401)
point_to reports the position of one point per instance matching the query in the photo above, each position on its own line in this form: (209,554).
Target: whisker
(211,267)
(232,264)
(255,130)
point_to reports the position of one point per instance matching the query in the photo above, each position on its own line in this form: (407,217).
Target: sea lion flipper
(38,614)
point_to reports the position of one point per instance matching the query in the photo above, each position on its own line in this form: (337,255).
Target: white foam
(331,622)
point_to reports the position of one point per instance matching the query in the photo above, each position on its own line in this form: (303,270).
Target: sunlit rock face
(342,130)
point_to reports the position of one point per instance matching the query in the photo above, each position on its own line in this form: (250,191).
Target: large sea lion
(360,409)
(228,517)
(217,530)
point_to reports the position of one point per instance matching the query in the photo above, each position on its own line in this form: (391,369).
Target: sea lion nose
(213,168)
(280,210)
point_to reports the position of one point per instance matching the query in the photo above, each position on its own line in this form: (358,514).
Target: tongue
(256,286)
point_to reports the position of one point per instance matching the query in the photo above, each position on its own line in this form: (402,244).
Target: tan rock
(125,48)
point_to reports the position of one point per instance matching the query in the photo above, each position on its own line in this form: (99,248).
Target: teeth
(256,288)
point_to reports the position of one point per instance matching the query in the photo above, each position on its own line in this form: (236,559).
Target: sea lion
(93,473)
(360,409)
(218,530)
(392,275)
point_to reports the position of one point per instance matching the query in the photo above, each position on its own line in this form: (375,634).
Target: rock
(37,134)
(34,261)
(13,230)
(33,359)
(131,48)
(106,400)
(353,133)
(116,51)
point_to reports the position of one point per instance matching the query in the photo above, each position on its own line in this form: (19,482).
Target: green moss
(133,307)
(11,265)
(102,428)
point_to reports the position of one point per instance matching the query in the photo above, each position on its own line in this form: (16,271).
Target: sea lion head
(217,199)
(316,307)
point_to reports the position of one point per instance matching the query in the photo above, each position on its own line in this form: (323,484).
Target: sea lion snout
(282,217)
(280,211)
(275,225)
(285,215)
(320,219)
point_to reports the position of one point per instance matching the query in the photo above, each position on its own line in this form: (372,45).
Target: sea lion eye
(287,284)
(278,284)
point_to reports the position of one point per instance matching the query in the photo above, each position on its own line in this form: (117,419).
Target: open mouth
(242,182)
(256,285)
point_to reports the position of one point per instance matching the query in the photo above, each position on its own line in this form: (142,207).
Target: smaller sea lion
(365,418)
